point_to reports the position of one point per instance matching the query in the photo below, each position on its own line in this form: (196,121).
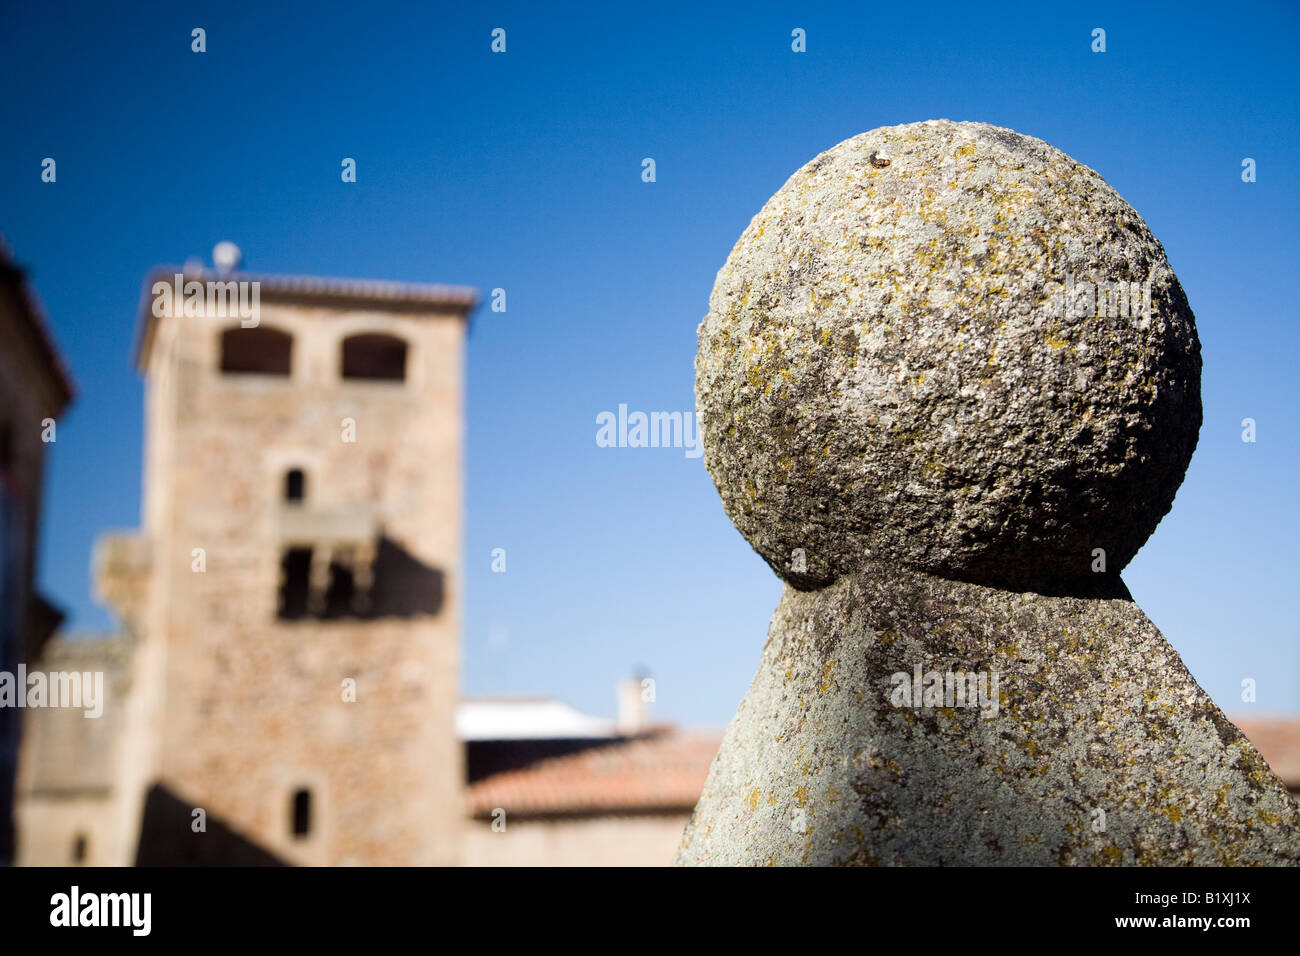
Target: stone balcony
(328,566)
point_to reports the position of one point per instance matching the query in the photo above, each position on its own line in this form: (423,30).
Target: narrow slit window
(295,485)
(302,813)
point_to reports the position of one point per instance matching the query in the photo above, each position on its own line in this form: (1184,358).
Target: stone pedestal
(1085,740)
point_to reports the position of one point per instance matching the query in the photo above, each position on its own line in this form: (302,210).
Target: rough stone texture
(885,369)
(908,423)
(1097,712)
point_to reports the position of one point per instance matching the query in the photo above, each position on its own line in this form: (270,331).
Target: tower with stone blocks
(294,593)
(948,386)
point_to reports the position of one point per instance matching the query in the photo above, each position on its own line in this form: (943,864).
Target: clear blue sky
(522,171)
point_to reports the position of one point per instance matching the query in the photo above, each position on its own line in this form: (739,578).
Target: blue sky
(522,171)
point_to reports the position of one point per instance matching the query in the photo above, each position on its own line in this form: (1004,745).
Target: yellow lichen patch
(751,801)
(801,796)
(1112,854)
(826,675)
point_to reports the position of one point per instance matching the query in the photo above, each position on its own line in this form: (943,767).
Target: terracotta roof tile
(666,771)
(662,771)
(1278,741)
(298,288)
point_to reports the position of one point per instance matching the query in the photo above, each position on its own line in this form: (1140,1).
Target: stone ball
(953,347)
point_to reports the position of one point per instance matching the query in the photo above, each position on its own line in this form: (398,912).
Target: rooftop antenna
(226,257)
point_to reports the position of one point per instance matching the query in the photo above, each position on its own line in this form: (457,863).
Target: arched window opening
(302,813)
(79,847)
(257,351)
(295,485)
(374,357)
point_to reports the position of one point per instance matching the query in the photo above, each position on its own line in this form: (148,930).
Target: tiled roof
(660,771)
(1278,741)
(665,771)
(322,287)
(306,289)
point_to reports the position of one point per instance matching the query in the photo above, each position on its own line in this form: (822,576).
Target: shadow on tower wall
(167,837)
(404,585)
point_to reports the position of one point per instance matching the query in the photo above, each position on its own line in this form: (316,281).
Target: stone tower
(294,593)
(948,386)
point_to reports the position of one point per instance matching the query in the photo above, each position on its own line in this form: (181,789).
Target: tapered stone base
(1098,747)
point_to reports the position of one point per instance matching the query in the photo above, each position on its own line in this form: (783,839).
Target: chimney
(634,696)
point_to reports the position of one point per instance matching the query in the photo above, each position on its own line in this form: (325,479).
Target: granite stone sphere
(953,347)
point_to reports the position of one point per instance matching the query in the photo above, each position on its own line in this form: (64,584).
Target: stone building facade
(34,390)
(291,604)
(69,795)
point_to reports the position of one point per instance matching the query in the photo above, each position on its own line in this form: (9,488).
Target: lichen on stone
(932,449)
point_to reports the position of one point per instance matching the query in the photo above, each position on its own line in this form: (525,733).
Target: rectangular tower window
(295,485)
